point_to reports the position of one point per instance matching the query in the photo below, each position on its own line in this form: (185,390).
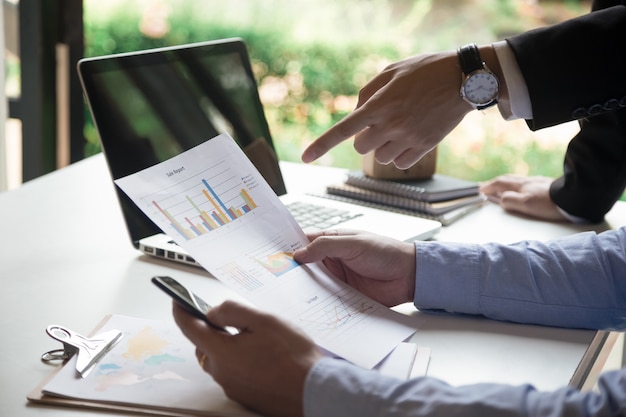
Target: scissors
(89,350)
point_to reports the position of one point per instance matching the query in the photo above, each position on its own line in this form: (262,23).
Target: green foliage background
(318,54)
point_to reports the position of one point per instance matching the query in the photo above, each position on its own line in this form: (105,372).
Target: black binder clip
(89,350)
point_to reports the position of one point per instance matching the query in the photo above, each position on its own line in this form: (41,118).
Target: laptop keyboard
(320,217)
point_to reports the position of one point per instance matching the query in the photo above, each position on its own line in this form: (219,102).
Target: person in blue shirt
(576,281)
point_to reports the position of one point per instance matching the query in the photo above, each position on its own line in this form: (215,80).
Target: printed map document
(213,202)
(153,370)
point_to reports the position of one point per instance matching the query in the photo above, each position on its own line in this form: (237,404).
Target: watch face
(480,87)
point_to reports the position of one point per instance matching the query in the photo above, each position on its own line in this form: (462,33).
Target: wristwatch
(480,86)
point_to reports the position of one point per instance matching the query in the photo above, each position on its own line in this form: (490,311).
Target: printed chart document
(214,203)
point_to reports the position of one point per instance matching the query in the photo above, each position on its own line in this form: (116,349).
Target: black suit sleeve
(594,168)
(576,70)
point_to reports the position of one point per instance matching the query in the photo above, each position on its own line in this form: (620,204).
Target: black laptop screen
(151,105)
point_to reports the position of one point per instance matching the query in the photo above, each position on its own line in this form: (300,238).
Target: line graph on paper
(338,313)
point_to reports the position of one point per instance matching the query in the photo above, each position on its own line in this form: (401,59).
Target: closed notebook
(437,188)
(433,208)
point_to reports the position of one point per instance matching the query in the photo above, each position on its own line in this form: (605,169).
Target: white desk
(66,259)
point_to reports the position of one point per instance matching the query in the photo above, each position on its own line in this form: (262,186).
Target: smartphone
(187,299)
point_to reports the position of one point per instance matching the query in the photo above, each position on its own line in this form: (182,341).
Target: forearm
(578,281)
(337,388)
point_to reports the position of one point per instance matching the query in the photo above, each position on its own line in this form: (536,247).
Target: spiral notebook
(437,188)
(445,212)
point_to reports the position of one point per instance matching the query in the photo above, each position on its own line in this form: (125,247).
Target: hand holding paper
(213,202)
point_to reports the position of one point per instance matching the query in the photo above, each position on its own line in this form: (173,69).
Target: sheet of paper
(399,363)
(421,362)
(214,203)
(406,361)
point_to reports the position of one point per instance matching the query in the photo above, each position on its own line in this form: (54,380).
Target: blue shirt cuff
(447,277)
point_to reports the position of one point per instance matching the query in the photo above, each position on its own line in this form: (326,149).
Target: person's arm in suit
(594,175)
(575,69)
(563,85)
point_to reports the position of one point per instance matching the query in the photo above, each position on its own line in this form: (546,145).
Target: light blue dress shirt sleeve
(335,388)
(577,281)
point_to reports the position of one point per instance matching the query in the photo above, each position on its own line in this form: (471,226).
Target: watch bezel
(480,105)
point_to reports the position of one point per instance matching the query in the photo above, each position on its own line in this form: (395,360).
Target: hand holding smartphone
(187,299)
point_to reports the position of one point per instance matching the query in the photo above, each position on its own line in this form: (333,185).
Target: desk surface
(68,261)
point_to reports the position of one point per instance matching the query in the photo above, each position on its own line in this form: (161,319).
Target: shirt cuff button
(611,104)
(579,113)
(595,109)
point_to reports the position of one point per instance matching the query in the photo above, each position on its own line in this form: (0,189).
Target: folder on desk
(154,370)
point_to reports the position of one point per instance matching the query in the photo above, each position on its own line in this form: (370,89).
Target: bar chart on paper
(209,200)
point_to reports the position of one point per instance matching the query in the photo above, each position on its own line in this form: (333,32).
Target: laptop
(151,105)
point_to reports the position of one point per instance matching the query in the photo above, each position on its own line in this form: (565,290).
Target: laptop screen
(151,105)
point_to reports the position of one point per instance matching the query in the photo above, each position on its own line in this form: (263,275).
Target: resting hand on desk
(525,195)
(263,367)
(379,267)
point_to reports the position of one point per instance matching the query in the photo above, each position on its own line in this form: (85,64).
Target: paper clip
(89,350)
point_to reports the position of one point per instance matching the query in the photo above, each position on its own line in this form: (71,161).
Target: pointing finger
(344,129)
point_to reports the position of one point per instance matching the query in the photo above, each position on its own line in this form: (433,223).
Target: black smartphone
(187,299)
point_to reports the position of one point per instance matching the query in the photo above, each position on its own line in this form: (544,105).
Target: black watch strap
(469,58)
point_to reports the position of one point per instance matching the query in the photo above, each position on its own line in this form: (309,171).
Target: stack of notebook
(440,197)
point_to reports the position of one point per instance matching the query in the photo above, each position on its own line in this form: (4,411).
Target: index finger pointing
(342,130)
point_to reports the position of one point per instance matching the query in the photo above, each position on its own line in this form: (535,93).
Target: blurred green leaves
(311,57)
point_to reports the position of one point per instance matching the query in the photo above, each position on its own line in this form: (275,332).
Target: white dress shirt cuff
(518,106)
